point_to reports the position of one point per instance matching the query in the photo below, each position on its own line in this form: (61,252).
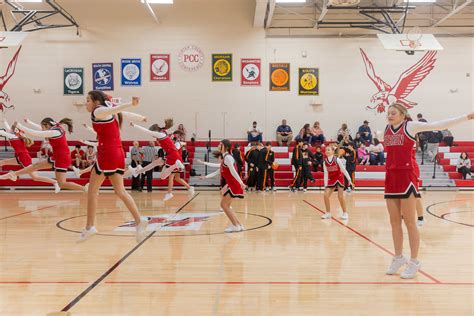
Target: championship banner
(131,71)
(250,72)
(159,67)
(103,76)
(221,67)
(308,79)
(280,77)
(73,81)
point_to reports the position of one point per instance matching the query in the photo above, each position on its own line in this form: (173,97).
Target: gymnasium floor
(288,262)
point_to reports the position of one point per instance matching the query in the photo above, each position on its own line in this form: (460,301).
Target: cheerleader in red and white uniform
(22,156)
(401,182)
(106,120)
(60,159)
(334,173)
(234,187)
(174,165)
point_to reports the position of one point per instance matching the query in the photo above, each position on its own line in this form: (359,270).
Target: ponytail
(68,122)
(168,125)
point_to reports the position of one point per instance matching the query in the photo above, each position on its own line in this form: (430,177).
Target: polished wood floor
(288,262)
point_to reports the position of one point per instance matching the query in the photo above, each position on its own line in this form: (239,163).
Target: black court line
(443,217)
(116,265)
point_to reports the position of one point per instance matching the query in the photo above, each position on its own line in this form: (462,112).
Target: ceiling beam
(270,11)
(260,11)
(455,11)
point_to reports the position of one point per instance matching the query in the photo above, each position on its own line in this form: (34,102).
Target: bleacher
(448,157)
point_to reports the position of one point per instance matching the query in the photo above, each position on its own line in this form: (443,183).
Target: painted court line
(279,283)
(116,265)
(39,209)
(370,240)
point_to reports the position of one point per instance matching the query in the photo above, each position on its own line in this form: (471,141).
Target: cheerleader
(234,187)
(106,120)
(22,156)
(401,182)
(60,159)
(334,173)
(174,166)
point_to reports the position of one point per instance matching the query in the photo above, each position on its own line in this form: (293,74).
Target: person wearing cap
(254,133)
(365,132)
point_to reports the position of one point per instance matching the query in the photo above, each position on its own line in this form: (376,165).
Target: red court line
(39,209)
(43,282)
(279,283)
(369,240)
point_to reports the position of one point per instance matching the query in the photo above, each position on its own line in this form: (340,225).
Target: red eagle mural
(4,98)
(407,82)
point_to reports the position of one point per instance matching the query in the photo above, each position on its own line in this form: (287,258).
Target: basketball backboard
(409,42)
(9,39)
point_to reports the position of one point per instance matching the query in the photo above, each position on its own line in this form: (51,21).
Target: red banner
(160,67)
(250,72)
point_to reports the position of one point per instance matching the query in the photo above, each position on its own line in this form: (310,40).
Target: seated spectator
(376,153)
(182,135)
(284,134)
(464,165)
(432,143)
(317,134)
(345,141)
(304,134)
(78,157)
(358,140)
(365,132)
(363,155)
(343,131)
(254,133)
(90,156)
(448,138)
(45,150)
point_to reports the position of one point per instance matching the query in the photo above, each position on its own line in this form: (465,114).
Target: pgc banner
(131,71)
(221,67)
(73,81)
(159,67)
(250,72)
(308,79)
(103,76)
(280,77)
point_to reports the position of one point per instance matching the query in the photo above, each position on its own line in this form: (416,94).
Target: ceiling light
(419,1)
(158,1)
(290,1)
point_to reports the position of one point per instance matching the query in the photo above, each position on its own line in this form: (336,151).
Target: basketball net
(413,36)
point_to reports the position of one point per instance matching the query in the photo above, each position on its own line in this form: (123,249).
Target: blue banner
(131,72)
(103,76)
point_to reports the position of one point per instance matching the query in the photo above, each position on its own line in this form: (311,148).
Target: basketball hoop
(413,38)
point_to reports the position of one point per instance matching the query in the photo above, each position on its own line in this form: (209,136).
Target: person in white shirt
(254,133)
(376,153)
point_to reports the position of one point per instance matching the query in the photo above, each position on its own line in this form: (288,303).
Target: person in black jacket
(237,154)
(251,157)
(307,162)
(269,175)
(261,167)
(351,163)
(297,163)
(318,159)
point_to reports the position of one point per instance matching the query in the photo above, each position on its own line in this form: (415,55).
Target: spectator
(351,164)
(90,155)
(365,132)
(448,138)
(45,150)
(318,159)
(343,131)
(304,134)
(136,156)
(358,140)
(307,159)
(317,134)
(422,136)
(284,134)
(432,143)
(376,153)
(78,157)
(149,155)
(363,155)
(182,135)
(464,165)
(254,133)
(345,141)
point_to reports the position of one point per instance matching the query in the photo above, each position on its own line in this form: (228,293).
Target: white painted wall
(227,108)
